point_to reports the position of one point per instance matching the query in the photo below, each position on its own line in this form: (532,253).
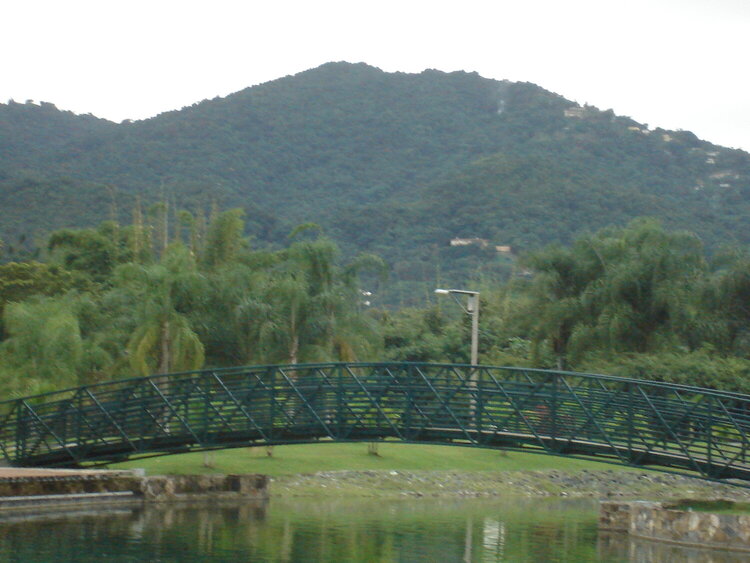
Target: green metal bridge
(633,422)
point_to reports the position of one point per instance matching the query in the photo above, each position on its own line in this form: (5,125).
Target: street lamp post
(472,308)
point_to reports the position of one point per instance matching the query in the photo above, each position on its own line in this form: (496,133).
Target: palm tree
(163,340)
(624,289)
(44,350)
(645,294)
(562,275)
(307,309)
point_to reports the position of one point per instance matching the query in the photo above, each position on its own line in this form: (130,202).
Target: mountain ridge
(395,163)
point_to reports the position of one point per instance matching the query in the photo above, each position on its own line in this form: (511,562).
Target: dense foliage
(120,301)
(160,296)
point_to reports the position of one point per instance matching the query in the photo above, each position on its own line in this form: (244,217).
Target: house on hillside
(578,112)
(480,242)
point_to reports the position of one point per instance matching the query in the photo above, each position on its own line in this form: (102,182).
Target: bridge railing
(633,421)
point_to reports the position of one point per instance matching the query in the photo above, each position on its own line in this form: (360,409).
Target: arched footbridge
(634,422)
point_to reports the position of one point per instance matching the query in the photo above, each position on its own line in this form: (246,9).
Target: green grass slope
(312,458)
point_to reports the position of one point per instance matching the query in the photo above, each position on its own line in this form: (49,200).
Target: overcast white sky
(677,64)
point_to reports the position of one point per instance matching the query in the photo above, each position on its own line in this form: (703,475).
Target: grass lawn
(312,458)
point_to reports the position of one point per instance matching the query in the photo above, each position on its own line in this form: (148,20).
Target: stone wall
(192,487)
(67,482)
(657,521)
(126,486)
(615,516)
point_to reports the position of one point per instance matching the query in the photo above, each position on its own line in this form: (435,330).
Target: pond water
(325,530)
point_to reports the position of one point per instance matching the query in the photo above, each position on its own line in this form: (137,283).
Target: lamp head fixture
(456,292)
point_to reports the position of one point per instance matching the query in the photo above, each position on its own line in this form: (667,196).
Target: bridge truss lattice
(634,422)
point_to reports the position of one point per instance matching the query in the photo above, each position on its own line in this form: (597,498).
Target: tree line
(176,291)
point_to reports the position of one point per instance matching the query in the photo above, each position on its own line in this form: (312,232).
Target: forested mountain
(396,164)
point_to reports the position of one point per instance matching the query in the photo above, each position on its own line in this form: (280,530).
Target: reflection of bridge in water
(633,422)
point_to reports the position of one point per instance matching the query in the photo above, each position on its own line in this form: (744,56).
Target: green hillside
(396,164)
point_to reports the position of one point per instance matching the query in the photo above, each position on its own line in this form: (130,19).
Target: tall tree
(44,350)
(644,298)
(224,239)
(561,276)
(307,308)
(623,289)
(726,302)
(163,340)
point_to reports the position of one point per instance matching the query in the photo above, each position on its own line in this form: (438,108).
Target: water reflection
(646,551)
(292,531)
